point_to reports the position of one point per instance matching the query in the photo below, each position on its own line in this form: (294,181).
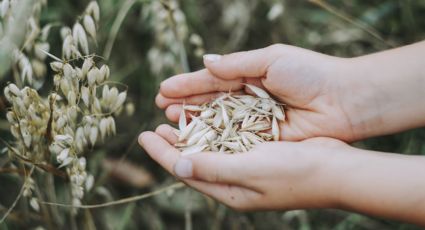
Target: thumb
(212,167)
(252,63)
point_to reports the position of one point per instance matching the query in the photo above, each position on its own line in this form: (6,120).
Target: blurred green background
(146,51)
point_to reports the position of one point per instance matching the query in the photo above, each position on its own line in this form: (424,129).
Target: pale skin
(330,101)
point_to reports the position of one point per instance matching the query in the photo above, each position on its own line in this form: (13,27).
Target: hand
(314,173)
(308,82)
(274,175)
(347,99)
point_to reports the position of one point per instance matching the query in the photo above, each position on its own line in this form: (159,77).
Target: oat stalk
(121,201)
(348,18)
(21,192)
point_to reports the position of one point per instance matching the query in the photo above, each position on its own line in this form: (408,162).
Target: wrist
(380,91)
(330,161)
(358,99)
(367,182)
(336,163)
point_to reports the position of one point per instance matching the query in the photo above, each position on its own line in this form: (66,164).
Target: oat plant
(54,132)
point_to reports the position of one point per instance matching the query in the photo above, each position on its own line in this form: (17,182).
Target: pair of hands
(278,175)
(327,98)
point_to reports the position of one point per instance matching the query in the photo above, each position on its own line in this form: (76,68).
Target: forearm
(381,184)
(385,91)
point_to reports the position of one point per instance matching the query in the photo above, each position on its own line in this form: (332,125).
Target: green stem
(116,27)
(361,25)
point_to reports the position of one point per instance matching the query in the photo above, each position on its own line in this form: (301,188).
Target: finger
(214,168)
(296,129)
(163,102)
(168,133)
(252,63)
(173,112)
(159,150)
(199,82)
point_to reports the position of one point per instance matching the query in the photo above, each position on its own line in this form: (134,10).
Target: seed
(34,204)
(218,119)
(4,7)
(103,127)
(277,112)
(62,155)
(224,114)
(186,131)
(258,91)
(193,108)
(92,75)
(112,127)
(193,149)
(275,129)
(72,98)
(104,70)
(15,90)
(93,135)
(56,66)
(90,26)
(208,137)
(87,65)
(93,9)
(80,37)
(120,100)
(67,46)
(85,95)
(207,113)
(182,120)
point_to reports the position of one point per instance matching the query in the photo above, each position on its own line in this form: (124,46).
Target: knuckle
(158,100)
(236,55)
(215,176)
(215,83)
(276,47)
(161,127)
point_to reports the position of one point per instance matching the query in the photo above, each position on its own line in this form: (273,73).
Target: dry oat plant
(72,73)
(54,132)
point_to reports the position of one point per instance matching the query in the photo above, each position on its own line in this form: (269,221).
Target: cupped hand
(311,84)
(274,175)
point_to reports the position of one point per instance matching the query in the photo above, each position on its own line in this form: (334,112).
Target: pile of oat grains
(231,123)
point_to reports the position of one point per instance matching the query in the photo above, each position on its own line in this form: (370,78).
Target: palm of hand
(313,97)
(306,81)
(253,180)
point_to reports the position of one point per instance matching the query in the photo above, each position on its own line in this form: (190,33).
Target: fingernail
(183,168)
(212,57)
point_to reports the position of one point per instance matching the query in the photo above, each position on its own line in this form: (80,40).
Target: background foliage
(343,28)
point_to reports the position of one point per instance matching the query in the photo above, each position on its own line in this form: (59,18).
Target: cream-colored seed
(85,95)
(80,38)
(93,9)
(104,70)
(89,25)
(120,100)
(182,120)
(56,66)
(4,7)
(93,135)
